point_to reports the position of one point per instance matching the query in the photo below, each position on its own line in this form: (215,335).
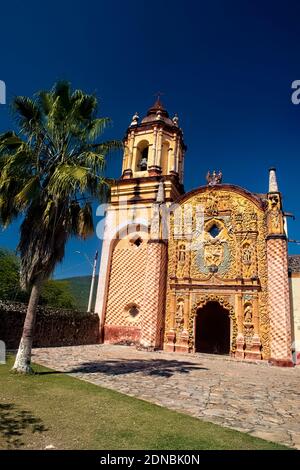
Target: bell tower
(132,280)
(153,146)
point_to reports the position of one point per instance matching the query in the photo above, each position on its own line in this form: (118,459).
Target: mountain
(80,289)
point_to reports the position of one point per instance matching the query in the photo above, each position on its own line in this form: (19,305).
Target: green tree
(57,294)
(49,172)
(9,275)
(54,293)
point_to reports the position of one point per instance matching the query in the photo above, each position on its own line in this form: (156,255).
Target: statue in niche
(247,254)
(181,254)
(248,313)
(274,202)
(180,313)
(274,211)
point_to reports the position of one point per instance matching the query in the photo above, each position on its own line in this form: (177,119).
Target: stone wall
(53,327)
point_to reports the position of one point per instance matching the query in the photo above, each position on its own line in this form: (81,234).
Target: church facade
(203,271)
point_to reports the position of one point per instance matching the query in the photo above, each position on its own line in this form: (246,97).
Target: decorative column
(240,340)
(181,167)
(256,343)
(173,154)
(177,157)
(239,252)
(278,283)
(131,150)
(159,148)
(279,301)
(183,344)
(254,267)
(154,148)
(153,305)
(171,333)
(127,173)
(153,169)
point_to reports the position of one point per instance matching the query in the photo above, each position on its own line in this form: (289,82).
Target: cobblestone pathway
(256,398)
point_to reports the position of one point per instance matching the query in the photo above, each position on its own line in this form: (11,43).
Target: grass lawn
(50,408)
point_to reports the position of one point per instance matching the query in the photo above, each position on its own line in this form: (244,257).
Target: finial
(214,178)
(135,119)
(175,120)
(158,94)
(273,186)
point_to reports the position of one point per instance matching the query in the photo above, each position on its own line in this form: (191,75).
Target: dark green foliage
(9,276)
(80,290)
(54,293)
(57,294)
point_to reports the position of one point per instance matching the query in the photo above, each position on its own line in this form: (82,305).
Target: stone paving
(256,398)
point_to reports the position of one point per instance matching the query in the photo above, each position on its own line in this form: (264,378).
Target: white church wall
(295,303)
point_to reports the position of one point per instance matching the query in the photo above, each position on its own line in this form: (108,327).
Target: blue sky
(225,67)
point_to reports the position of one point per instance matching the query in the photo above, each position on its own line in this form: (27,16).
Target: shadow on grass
(14,423)
(154,367)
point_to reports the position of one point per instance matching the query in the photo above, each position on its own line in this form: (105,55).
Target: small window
(214,231)
(133,311)
(138,242)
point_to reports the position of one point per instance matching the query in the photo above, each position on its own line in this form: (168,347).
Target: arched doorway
(212,329)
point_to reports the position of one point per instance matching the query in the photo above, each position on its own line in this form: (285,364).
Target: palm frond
(68,179)
(45,100)
(85,225)
(27,113)
(9,141)
(62,89)
(108,146)
(48,212)
(97,127)
(93,160)
(28,192)
(19,165)
(8,211)
(85,107)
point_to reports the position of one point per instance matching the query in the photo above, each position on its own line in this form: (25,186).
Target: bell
(143,164)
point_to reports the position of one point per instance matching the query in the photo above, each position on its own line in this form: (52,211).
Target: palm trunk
(23,359)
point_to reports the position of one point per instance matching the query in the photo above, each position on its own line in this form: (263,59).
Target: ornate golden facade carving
(248,329)
(179,315)
(275,219)
(227,250)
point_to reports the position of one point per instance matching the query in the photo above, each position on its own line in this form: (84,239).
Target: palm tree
(49,173)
